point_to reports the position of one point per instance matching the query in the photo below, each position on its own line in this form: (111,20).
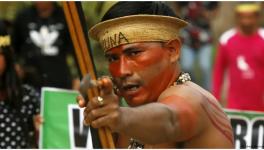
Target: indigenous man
(241,52)
(141,43)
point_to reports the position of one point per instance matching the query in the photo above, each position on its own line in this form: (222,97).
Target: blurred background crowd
(222,49)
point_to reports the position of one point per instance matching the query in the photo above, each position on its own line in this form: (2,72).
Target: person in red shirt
(241,54)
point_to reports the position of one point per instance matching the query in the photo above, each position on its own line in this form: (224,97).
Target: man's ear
(174,47)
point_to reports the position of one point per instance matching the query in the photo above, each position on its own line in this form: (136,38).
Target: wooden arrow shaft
(84,60)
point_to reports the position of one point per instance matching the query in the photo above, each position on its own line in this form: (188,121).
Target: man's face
(141,71)
(248,21)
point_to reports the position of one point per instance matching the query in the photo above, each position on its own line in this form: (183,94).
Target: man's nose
(124,68)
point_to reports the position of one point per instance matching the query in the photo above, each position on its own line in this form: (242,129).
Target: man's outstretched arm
(173,119)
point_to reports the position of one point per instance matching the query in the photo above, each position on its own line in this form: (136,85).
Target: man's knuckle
(93,113)
(95,124)
(115,115)
(86,120)
(115,107)
(86,110)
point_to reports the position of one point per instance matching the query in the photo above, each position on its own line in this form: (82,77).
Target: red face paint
(141,71)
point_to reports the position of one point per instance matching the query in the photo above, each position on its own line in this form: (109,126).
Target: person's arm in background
(37,118)
(219,72)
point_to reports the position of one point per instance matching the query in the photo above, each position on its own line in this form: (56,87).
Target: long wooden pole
(84,60)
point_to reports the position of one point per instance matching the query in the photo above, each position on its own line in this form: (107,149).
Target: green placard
(56,109)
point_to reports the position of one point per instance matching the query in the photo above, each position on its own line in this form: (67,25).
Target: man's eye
(133,53)
(112,58)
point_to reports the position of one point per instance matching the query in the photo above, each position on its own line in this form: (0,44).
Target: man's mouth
(130,87)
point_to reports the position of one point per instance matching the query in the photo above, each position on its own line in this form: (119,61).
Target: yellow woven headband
(5,40)
(136,28)
(245,8)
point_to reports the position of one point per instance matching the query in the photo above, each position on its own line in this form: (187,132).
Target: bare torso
(216,131)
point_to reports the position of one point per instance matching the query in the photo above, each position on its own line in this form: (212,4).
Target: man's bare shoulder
(202,106)
(185,102)
(185,91)
(190,93)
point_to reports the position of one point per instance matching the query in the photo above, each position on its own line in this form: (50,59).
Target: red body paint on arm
(186,116)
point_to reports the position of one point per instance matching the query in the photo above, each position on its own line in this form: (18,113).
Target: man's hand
(105,113)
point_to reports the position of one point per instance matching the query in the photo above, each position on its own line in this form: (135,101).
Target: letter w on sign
(76,24)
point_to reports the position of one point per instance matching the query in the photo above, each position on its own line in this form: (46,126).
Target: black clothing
(14,123)
(41,45)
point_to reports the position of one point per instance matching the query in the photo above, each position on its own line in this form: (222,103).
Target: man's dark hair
(121,9)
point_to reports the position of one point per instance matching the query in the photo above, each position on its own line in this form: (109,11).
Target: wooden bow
(73,18)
